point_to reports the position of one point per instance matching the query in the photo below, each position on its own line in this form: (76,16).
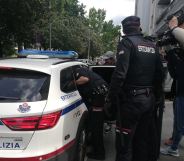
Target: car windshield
(23,85)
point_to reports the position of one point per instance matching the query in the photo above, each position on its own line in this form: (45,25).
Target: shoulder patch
(121,52)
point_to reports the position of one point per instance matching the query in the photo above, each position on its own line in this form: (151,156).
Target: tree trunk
(20,46)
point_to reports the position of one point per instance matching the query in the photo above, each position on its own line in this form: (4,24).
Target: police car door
(74,106)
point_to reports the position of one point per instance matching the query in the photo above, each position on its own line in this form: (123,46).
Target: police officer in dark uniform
(93,90)
(136,85)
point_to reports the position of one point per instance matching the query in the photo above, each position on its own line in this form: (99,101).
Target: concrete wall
(174,6)
(142,10)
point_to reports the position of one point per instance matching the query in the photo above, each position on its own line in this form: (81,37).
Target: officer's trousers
(178,122)
(133,129)
(95,128)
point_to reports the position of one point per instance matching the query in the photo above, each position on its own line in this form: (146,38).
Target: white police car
(42,116)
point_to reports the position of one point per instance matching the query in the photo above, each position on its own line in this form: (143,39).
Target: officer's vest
(142,61)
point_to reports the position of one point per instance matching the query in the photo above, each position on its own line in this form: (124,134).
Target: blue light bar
(52,54)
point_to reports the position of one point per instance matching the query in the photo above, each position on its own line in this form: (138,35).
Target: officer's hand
(173,22)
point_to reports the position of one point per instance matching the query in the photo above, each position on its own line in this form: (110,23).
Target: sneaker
(168,142)
(170,151)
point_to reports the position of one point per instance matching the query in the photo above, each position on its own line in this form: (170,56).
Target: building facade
(153,14)
(142,10)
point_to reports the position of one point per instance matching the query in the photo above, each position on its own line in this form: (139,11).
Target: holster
(100,90)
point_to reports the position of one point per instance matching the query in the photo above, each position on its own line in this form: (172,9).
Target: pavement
(109,139)
(167,131)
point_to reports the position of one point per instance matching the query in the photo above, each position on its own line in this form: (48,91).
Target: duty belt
(136,92)
(101,89)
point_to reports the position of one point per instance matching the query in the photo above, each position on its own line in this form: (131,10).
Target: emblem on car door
(77,114)
(24,108)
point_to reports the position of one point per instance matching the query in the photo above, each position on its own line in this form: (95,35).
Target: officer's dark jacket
(94,81)
(175,59)
(138,64)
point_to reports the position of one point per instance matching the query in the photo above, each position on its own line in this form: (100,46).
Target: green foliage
(29,22)
(17,20)
(97,19)
(107,33)
(110,36)
(68,33)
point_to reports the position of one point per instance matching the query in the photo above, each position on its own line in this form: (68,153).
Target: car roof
(43,65)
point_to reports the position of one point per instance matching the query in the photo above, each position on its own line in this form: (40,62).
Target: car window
(23,85)
(67,80)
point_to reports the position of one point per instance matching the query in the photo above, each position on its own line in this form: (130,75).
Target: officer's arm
(82,80)
(122,65)
(159,79)
(179,35)
(82,76)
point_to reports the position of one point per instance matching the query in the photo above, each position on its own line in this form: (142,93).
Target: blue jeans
(179,122)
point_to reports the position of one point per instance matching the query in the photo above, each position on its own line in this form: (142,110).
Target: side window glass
(67,80)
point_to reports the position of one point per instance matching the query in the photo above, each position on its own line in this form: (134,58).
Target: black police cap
(131,21)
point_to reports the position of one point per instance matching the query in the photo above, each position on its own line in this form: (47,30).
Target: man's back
(138,63)
(137,74)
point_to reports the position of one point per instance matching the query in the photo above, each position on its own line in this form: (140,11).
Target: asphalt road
(109,138)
